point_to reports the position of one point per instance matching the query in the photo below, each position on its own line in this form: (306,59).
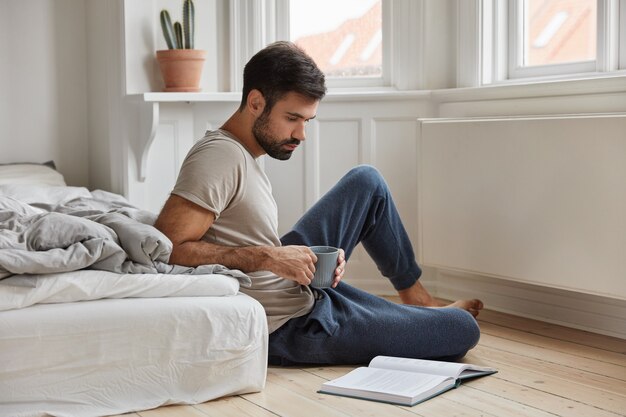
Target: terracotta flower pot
(181,69)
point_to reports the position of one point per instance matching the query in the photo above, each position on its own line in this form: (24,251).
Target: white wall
(43,85)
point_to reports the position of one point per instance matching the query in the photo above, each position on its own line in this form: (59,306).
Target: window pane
(559,31)
(344,37)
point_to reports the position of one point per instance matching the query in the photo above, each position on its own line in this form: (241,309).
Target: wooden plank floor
(544,370)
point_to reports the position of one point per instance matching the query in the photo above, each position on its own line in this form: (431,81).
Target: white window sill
(589,84)
(188,97)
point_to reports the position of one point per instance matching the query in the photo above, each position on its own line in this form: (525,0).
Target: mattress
(93,343)
(111,356)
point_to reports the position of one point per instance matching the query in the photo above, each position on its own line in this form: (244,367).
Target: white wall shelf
(149,110)
(189,97)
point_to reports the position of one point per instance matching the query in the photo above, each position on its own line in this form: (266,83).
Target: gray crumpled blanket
(103,232)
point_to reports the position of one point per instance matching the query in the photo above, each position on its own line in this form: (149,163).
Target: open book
(403,381)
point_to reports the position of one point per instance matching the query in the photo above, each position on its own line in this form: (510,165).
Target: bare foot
(419,296)
(472,306)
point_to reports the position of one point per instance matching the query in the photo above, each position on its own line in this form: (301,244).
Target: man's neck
(240,127)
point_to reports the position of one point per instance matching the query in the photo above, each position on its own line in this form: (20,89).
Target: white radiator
(537,200)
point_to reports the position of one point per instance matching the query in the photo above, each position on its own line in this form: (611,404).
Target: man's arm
(184,223)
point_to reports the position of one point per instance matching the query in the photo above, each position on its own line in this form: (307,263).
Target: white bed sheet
(112,356)
(21,291)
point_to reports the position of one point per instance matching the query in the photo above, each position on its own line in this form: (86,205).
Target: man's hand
(296,263)
(341,268)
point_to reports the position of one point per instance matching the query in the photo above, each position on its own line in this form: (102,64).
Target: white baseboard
(588,312)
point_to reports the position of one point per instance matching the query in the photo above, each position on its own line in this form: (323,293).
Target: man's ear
(255,102)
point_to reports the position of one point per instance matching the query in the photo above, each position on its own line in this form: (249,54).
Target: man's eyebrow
(294,114)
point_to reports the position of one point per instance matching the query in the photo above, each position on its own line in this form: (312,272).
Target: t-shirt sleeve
(213,175)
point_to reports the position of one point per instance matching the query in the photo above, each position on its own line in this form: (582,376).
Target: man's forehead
(298,105)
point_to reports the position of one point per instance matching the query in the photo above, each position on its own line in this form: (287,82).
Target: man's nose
(300,132)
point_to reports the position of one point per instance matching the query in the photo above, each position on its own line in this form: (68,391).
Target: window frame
(495,44)
(516,40)
(622,35)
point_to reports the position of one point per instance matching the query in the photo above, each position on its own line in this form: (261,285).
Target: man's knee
(365,177)
(467,330)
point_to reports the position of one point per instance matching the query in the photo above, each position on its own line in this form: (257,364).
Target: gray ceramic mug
(325,266)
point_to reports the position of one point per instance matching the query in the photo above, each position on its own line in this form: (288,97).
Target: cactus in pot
(168,31)
(178,31)
(189,14)
(174,34)
(181,64)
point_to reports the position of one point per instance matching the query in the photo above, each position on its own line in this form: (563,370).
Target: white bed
(135,342)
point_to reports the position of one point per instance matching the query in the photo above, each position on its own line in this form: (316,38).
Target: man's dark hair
(280,68)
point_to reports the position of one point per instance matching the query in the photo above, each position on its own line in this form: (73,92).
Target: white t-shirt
(220,175)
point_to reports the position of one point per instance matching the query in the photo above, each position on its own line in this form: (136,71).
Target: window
(344,43)
(556,32)
(345,38)
(521,39)
(548,37)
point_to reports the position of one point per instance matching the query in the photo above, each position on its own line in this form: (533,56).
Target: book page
(398,383)
(451,369)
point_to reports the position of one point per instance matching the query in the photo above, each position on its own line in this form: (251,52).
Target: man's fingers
(310,273)
(310,263)
(305,279)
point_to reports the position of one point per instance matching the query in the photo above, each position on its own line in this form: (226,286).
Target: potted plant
(181,64)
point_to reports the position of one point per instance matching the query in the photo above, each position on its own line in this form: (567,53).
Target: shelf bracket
(148,122)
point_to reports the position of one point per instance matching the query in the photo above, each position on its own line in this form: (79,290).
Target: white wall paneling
(535,200)
(395,155)
(164,162)
(338,149)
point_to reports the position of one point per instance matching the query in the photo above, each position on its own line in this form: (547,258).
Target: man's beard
(271,146)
